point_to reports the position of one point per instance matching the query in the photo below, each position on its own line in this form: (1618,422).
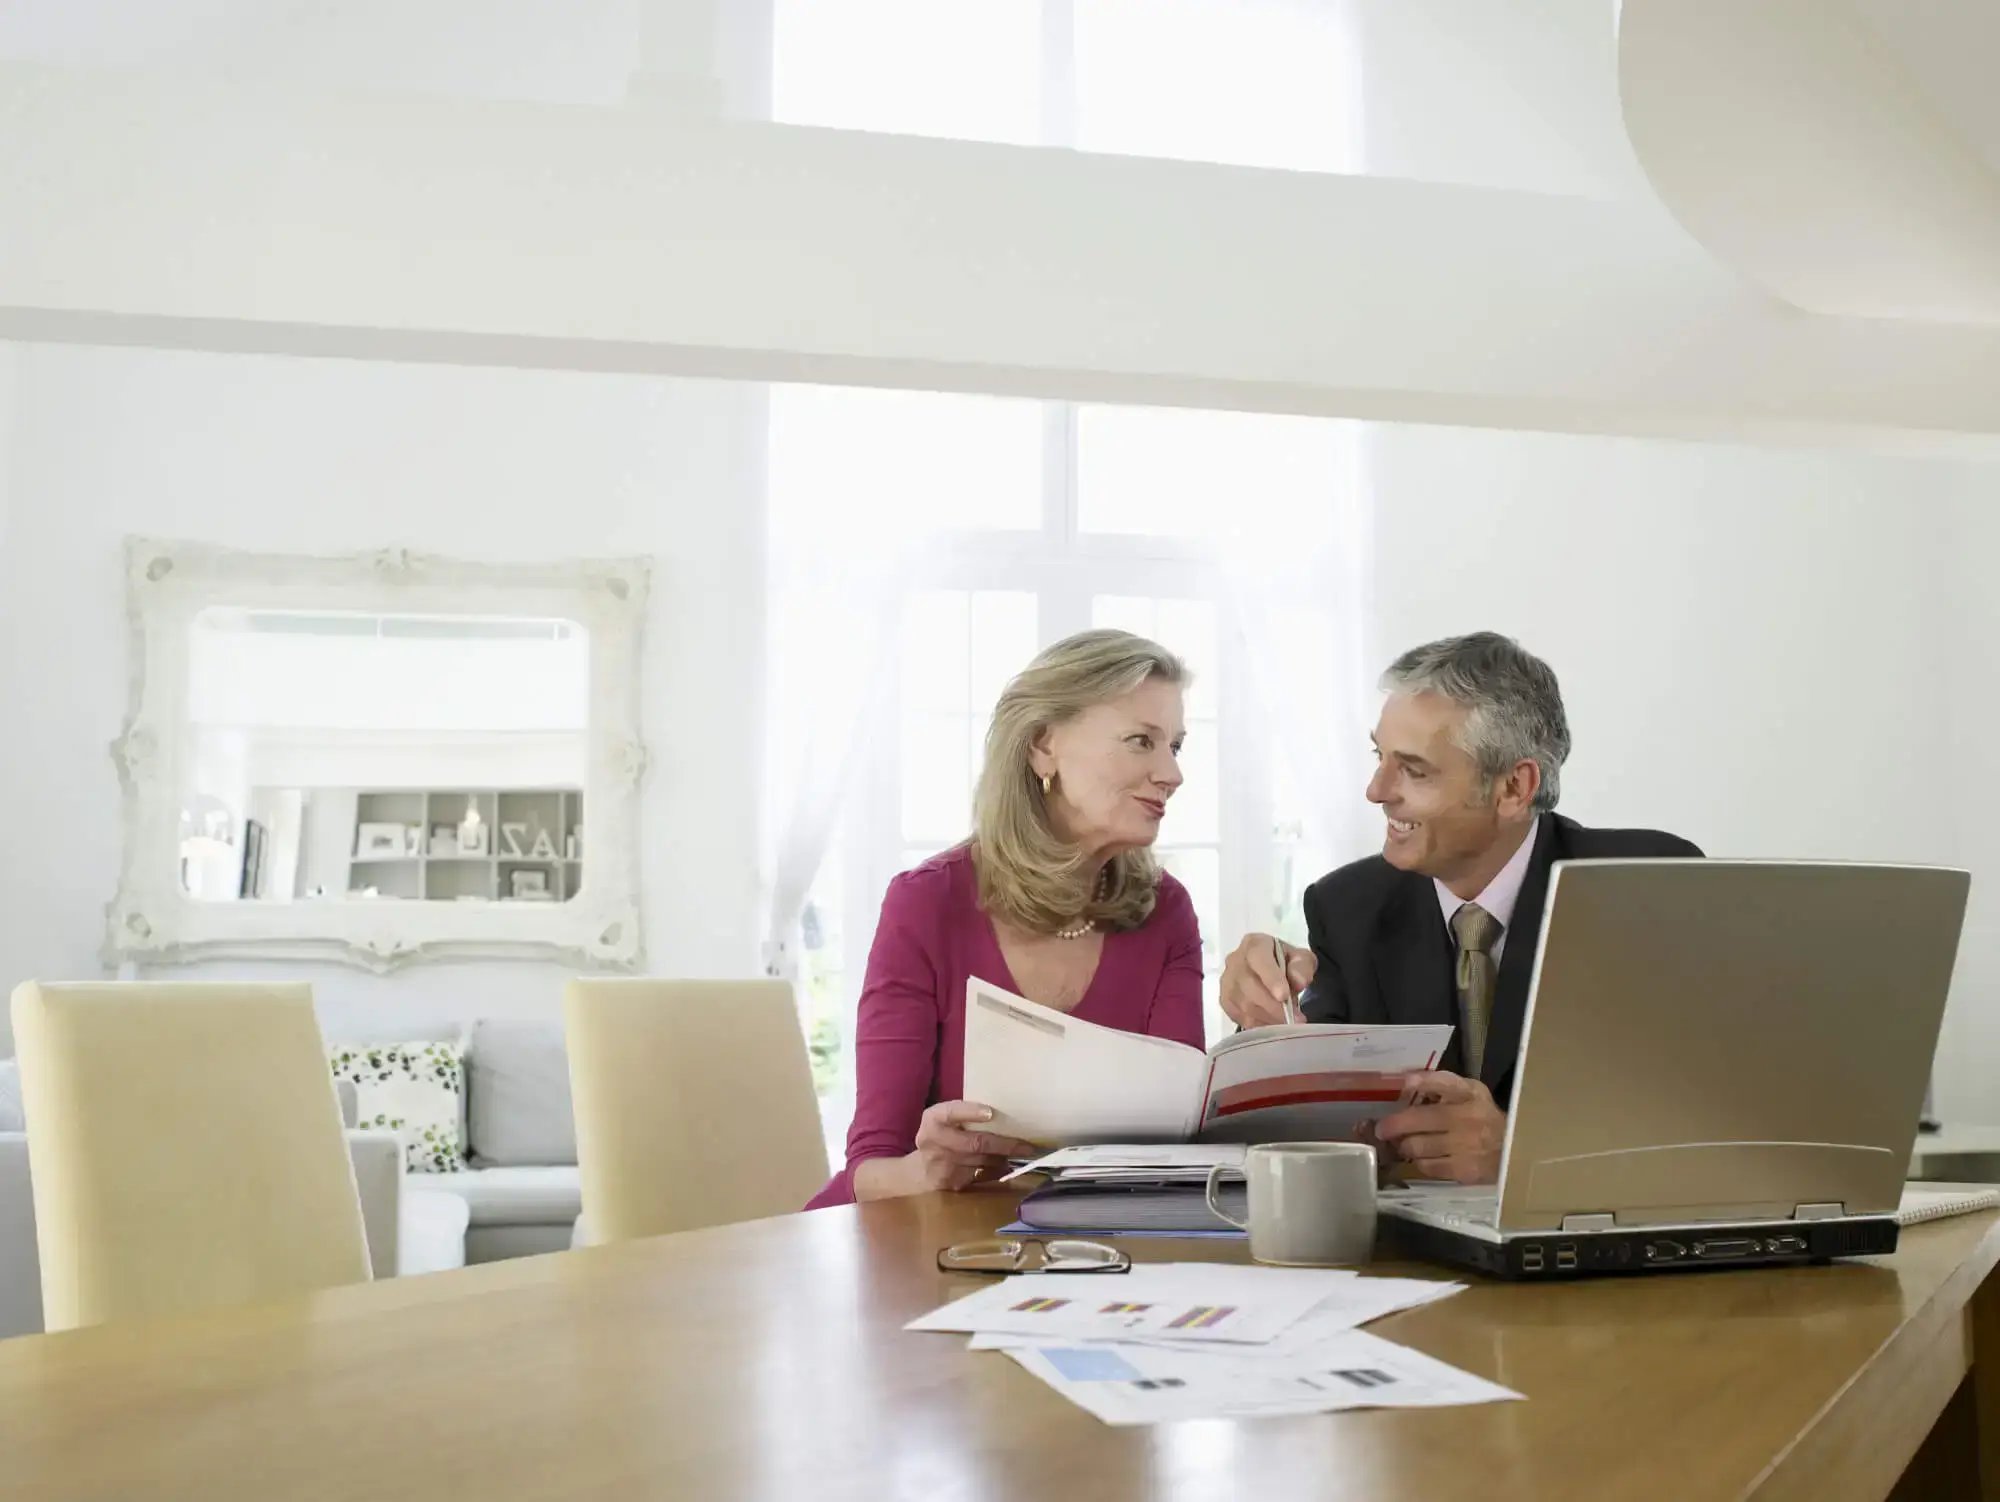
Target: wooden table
(767,1360)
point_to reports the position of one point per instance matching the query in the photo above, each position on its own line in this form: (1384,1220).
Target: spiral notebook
(1922,1202)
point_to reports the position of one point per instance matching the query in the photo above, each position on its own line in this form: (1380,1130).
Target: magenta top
(909,1035)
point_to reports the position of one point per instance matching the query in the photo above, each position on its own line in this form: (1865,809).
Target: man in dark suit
(1442,925)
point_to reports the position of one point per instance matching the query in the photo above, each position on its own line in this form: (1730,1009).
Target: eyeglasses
(1033,1257)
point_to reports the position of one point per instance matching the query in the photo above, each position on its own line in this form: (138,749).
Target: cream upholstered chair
(694,1104)
(186,1149)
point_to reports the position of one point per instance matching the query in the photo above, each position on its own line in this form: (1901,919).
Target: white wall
(328,456)
(1957,784)
(1772,653)
(9,358)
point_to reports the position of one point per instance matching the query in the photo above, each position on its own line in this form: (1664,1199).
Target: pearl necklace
(1083,926)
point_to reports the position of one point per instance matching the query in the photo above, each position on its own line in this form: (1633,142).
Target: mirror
(338,756)
(380,758)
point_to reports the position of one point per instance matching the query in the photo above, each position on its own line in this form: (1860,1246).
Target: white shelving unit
(517,821)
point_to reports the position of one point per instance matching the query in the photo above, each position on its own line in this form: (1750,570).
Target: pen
(1291,1005)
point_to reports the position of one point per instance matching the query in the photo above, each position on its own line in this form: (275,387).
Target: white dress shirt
(1501,893)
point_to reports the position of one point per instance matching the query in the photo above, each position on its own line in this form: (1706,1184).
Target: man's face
(1443,818)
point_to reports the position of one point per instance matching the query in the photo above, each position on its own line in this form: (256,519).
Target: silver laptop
(1722,1063)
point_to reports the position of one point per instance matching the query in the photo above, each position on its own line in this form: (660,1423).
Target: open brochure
(1056,1080)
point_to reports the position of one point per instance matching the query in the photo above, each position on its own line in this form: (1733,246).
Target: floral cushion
(413,1089)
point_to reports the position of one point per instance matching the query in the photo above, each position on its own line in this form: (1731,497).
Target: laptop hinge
(1597,1222)
(1831,1210)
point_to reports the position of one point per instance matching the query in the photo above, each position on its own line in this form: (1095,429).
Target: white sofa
(522,1188)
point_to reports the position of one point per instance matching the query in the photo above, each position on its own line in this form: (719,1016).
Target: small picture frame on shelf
(528,886)
(413,840)
(472,839)
(378,840)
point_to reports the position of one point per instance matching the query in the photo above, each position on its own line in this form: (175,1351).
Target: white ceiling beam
(144,211)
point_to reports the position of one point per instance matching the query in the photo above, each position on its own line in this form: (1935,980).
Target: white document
(1350,1304)
(1054,1079)
(1145,1384)
(1355,1304)
(1199,1302)
(1137,1161)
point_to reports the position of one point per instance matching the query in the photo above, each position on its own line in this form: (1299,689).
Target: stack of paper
(1114,1160)
(1132,1189)
(1175,1341)
(1152,1385)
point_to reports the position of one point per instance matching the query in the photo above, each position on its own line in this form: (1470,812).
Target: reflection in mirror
(346,756)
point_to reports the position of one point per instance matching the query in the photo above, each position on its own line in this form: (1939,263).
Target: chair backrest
(694,1104)
(186,1148)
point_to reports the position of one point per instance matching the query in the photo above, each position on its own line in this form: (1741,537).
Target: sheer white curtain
(834,661)
(1303,608)
(862,486)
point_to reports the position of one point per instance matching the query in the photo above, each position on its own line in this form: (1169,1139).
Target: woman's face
(1115,765)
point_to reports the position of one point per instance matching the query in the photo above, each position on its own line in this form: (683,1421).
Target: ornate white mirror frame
(153,920)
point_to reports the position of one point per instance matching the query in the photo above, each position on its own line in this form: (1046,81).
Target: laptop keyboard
(1475,1208)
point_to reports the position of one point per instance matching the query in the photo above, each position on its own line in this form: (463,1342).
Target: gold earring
(1048,783)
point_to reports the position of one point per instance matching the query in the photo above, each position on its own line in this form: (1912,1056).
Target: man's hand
(1454,1131)
(1253,991)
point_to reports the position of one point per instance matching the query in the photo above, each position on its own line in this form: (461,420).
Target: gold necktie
(1476,931)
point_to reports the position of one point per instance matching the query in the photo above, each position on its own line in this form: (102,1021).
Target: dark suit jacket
(1385,954)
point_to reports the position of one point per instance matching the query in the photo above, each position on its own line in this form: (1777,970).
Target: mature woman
(1055,897)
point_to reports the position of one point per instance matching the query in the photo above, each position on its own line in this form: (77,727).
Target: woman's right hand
(950,1154)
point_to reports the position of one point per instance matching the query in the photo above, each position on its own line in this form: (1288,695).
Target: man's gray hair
(1514,709)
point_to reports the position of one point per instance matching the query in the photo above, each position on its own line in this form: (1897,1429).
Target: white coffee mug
(1312,1204)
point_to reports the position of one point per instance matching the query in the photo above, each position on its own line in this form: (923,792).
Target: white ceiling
(1842,154)
(1951,49)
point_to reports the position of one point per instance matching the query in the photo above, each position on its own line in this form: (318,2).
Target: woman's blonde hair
(1028,874)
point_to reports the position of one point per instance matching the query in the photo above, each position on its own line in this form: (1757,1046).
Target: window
(1261,83)
(923,546)
(958,649)
(965,69)
(1019,523)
